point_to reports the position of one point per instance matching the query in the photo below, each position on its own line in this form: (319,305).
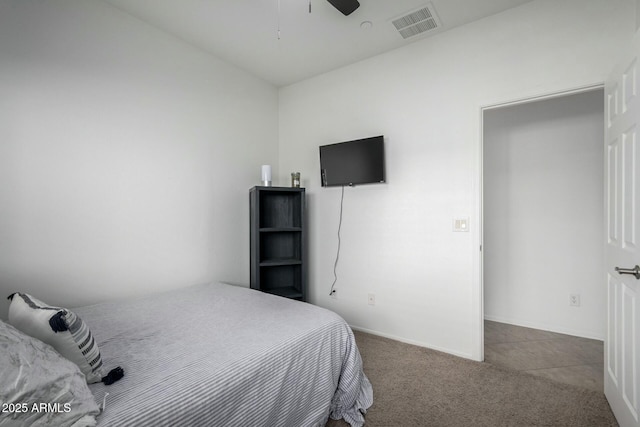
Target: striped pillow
(60,328)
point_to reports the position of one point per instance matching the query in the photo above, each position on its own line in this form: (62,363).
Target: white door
(622,245)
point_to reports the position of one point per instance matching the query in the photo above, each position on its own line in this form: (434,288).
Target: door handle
(635,271)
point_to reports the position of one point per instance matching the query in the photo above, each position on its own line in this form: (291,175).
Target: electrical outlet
(574,300)
(334,294)
(371,299)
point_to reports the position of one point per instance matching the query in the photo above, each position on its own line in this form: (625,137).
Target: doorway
(543,189)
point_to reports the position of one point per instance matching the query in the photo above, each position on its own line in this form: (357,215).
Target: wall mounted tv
(353,162)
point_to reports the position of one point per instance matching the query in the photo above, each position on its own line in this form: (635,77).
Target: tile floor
(564,358)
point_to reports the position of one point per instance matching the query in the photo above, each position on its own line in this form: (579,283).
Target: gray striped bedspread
(222,355)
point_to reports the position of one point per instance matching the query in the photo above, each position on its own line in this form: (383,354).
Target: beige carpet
(414,386)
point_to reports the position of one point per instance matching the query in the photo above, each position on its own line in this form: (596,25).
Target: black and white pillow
(60,328)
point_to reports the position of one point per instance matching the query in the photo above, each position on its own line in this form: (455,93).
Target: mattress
(223,355)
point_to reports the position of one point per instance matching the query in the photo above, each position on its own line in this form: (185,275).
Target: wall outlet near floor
(371,299)
(574,300)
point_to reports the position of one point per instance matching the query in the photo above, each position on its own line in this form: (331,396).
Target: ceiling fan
(345,6)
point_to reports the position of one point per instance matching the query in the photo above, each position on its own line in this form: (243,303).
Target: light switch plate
(461,224)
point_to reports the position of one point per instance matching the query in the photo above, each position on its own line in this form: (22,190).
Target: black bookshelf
(278,241)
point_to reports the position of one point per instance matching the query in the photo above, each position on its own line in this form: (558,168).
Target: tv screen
(353,162)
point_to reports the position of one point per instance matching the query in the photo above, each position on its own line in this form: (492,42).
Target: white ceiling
(245,32)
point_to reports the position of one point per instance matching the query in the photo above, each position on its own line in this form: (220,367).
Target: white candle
(266,175)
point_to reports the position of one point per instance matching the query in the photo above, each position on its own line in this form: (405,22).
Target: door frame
(479,341)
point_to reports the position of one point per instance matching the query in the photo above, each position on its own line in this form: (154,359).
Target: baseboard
(412,342)
(544,327)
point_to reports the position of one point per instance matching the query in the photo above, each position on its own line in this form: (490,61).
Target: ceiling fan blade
(345,6)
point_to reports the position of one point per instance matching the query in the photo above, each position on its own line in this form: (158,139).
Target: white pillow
(60,328)
(39,386)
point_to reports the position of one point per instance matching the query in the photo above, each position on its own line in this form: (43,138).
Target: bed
(223,355)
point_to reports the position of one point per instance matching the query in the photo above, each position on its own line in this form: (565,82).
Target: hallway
(564,358)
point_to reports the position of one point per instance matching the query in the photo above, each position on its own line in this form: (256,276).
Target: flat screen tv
(353,162)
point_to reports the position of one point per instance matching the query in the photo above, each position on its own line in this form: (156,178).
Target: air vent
(417,22)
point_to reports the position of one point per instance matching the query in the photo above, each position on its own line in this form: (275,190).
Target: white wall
(126,156)
(426,98)
(543,214)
